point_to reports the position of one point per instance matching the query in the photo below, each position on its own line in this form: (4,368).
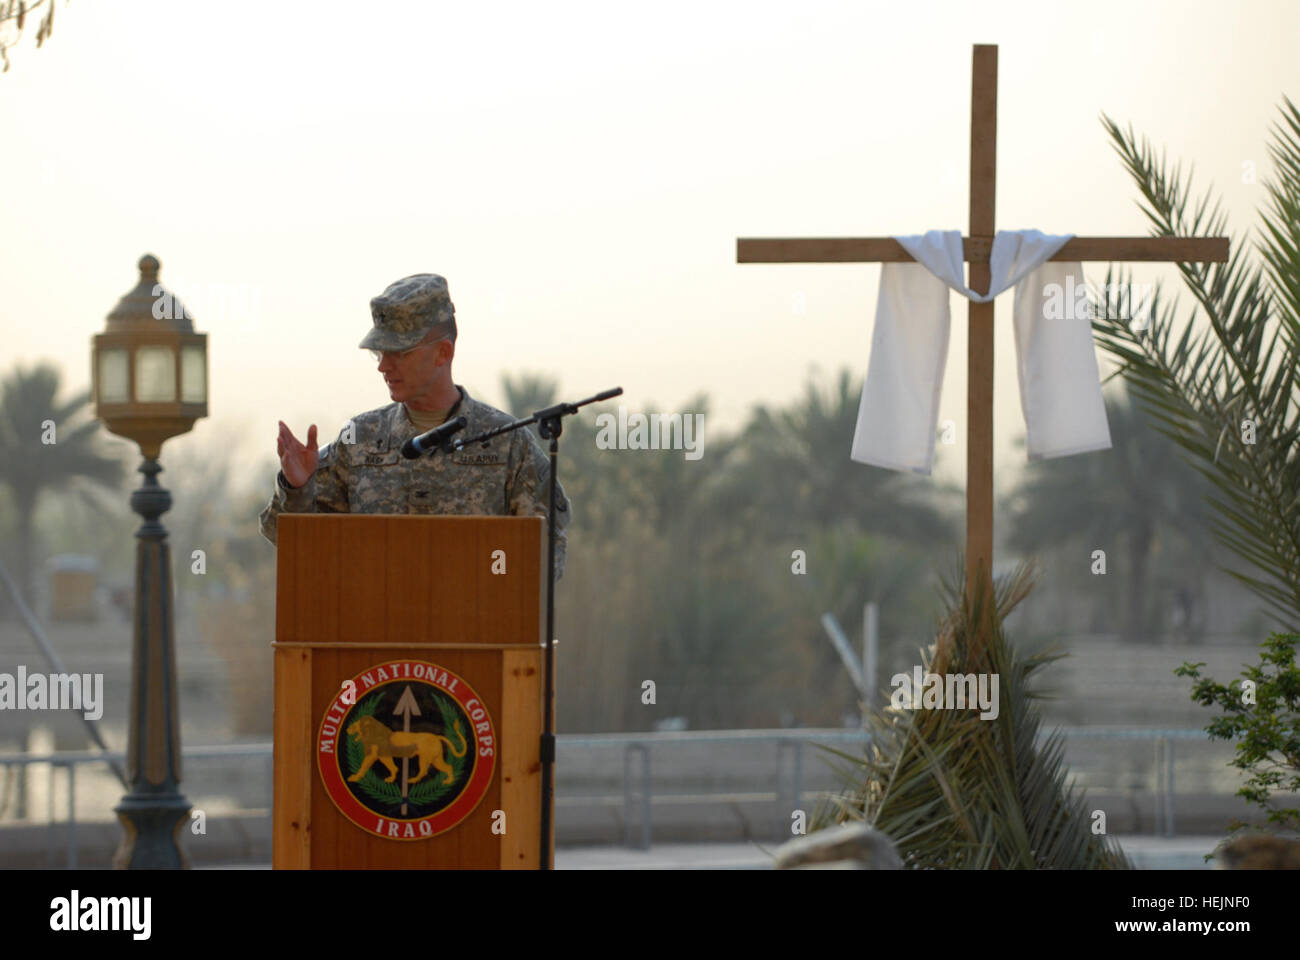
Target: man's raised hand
(298,462)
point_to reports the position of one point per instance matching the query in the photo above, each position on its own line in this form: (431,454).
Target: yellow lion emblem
(383,744)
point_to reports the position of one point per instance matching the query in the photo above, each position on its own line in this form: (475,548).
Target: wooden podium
(408,692)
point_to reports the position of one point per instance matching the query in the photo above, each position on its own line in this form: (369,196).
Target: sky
(580,173)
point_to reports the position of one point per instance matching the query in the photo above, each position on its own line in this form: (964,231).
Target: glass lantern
(149,368)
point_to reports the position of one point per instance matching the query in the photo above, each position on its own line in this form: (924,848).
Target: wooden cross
(976,249)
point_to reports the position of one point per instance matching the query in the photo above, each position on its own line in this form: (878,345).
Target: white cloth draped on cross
(1060,388)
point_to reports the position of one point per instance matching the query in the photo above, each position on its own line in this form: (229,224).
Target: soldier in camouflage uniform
(414,337)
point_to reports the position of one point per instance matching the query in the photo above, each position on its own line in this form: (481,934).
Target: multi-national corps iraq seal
(406,750)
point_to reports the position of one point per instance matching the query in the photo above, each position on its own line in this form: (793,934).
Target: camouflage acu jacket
(509,477)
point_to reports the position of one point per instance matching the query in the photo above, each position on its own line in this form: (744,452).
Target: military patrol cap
(410,309)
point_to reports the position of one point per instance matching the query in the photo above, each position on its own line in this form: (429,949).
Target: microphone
(433,440)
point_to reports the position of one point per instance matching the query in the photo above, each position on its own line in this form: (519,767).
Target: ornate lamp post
(150,375)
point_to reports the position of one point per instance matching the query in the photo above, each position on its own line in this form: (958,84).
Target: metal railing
(636,810)
(70,760)
(1164,760)
(638,798)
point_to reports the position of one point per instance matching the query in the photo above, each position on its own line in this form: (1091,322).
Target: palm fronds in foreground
(957,792)
(1229,391)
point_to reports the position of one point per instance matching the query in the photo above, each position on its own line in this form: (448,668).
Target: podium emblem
(406,750)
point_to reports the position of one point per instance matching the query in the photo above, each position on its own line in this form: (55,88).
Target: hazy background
(579,173)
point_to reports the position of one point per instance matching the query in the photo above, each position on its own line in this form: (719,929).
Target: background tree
(679,570)
(30,467)
(14,17)
(868,534)
(846,570)
(526,392)
(1229,393)
(794,469)
(1138,501)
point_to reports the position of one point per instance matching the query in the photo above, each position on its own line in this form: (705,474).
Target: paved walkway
(667,856)
(1147,853)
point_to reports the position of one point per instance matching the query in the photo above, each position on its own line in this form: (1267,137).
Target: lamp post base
(152,825)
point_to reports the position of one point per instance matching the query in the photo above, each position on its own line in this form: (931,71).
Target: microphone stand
(550,427)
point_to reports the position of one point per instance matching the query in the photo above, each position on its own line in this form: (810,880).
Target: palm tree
(686,563)
(795,473)
(656,592)
(527,392)
(846,570)
(12,22)
(954,790)
(789,484)
(29,466)
(1229,394)
(1128,500)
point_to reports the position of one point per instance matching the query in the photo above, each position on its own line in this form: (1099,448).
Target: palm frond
(1204,389)
(954,791)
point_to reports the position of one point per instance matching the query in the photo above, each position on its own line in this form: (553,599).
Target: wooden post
(979,354)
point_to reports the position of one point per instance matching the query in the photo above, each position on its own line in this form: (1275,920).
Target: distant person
(414,339)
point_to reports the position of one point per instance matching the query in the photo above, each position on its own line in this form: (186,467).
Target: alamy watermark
(949,691)
(75,913)
(215,301)
(53,691)
(655,431)
(1130,302)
